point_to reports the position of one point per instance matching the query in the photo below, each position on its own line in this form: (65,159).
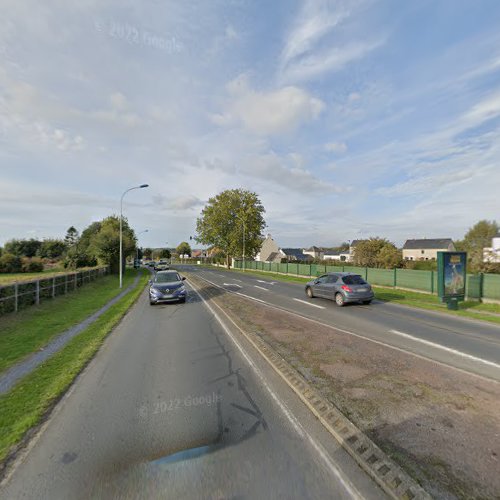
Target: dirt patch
(441,425)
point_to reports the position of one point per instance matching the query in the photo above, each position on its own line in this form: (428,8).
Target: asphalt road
(175,406)
(470,345)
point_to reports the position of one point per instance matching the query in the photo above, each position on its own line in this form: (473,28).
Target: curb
(383,470)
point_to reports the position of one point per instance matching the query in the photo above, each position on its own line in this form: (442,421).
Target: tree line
(98,244)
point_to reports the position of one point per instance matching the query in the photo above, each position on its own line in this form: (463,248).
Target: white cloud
(268,113)
(336,147)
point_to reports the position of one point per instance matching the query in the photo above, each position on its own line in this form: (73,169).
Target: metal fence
(479,286)
(22,294)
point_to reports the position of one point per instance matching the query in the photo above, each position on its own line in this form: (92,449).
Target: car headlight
(181,289)
(154,291)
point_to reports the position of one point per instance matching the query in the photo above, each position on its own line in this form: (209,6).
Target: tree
(376,252)
(52,249)
(23,248)
(147,253)
(165,253)
(224,219)
(71,238)
(105,243)
(10,263)
(183,249)
(478,237)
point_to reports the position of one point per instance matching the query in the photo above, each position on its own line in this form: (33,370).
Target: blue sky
(350,119)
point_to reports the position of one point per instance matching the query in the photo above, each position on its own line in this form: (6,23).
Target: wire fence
(21,294)
(478,286)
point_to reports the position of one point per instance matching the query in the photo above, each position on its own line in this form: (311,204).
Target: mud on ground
(441,425)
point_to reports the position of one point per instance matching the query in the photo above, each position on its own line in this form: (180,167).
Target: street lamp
(121,235)
(137,248)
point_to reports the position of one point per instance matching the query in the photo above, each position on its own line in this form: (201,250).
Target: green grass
(6,278)
(25,405)
(32,328)
(468,309)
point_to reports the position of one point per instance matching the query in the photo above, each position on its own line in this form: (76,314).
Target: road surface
(175,406)
(470,345)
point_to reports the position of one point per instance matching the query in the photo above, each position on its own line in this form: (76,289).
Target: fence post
(481,286)
(74,283)
(432,281)
(287,268)
(53,287)
(395,280)
(65,284)
(15,297)
(37,292)
(366,273)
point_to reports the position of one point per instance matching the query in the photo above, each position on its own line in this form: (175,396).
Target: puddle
(184,455)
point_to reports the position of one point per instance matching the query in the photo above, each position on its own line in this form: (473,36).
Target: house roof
(429,244)
(272,256)
(355,242)
(296,252)
(314,249)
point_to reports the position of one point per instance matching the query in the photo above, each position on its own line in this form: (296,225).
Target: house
(426,249)
(314,252)
(295,254)
(337,256)
(492,254)
(267,249)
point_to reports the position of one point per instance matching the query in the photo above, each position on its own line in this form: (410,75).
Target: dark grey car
(167,286)
(340,287)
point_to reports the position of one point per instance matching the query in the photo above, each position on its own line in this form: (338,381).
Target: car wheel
(181,301)
(309,292)
(152,303)
(366,302)
(339,299)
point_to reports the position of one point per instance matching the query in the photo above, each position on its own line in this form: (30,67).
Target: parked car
(167,286)
(340,287)
(162,265)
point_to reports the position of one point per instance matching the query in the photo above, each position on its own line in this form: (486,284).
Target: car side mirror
(316,282)
(150,282)
(183,278)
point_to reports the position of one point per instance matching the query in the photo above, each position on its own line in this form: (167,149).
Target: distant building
(337,256)
(492,254)
(269,251)
(314,252)
(426,249)
(295,254)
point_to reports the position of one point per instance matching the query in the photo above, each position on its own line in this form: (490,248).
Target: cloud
(177,203)
(309,50)
(274,112)
(335,147)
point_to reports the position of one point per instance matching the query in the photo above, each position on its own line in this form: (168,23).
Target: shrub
(10,263)
(34,265)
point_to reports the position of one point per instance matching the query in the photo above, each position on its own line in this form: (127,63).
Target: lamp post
(137,249)
(121,235)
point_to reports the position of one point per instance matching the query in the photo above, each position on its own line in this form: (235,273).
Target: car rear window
(354,279)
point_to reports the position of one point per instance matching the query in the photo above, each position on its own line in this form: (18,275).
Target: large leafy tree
(52,248)
(71,238)
(478,237)
(105,243)
(224,219)
(24,247)
(183,248)
(377,252)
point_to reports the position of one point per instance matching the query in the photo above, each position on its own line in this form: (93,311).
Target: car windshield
(167,278)
(354,279)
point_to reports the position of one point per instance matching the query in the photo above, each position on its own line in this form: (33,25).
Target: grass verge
(26,404)
(30,329)
(468,309)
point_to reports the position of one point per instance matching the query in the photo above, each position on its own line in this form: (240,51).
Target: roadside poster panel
(452,272)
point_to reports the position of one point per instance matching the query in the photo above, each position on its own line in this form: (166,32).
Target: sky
(349,119)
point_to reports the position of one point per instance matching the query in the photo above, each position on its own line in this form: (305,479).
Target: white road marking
(231,284)
(444,348)
(262,288)
(238,280)
(309,304)
(266,282)
(301,431)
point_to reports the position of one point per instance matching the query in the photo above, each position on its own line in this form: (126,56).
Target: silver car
(340,287)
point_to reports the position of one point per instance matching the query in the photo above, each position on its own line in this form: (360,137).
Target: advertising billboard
(452,268)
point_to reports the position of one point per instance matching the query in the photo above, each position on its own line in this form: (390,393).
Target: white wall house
(492,254)
(426,248)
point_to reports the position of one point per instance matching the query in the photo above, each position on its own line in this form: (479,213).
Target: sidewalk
(23,368)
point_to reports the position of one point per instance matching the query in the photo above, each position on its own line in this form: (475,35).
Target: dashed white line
(444,348)
(231,284)
(309,304)
(250,297)
(262,288)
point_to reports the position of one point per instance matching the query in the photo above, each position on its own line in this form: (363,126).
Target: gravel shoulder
(440,424)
